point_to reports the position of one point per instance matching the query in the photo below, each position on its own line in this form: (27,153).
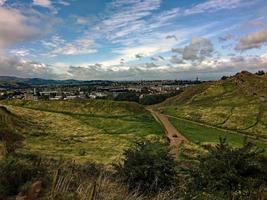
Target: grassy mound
(93,130)
(238,103)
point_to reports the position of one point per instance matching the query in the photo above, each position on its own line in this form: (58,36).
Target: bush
(230,173)
(147,167)
(15,173)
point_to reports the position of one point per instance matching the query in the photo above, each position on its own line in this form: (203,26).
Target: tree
(127,96)
(224,78)
(260,73)
(147,167)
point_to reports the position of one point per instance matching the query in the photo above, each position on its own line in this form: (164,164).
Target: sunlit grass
(89,133)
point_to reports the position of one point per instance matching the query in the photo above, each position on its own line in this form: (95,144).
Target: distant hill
(236,103)
(10,81)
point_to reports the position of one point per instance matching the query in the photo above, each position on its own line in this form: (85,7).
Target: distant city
(91,89)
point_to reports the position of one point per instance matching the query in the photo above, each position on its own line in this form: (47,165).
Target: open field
(201,134)
(93,130)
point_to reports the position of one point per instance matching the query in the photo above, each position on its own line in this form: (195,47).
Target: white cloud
(252,40)
(216,5)
(49,4)
(58,46)
(209,68)
(62,2)
(20,52)
(17,27)
(197,50)
(43,3)
(149,48)
(78,47)
(125,18)
(15,66)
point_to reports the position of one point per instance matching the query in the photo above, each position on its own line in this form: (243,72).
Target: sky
(132,39)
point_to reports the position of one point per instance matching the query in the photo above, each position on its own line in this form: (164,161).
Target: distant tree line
(260,73)
(144,99)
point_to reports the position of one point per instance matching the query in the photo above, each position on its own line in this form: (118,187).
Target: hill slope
(94,130)
(10,121)
(238,103)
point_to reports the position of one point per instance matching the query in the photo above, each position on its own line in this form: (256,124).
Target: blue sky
(132,39)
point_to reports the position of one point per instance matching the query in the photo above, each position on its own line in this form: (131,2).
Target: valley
(95,130)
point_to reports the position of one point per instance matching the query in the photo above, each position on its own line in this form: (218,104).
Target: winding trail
(175,138)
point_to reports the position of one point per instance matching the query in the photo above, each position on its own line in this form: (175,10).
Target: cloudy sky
(132,39)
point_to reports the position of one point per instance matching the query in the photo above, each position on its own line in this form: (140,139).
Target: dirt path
(175,138)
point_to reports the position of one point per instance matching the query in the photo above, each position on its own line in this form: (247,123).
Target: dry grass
(81,136)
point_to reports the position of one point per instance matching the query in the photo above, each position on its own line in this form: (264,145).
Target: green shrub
(147,167)
(15,173)
(230,173)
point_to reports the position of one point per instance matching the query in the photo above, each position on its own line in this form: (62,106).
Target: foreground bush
(148,171)
(230,173)
(14,173)
(147,167)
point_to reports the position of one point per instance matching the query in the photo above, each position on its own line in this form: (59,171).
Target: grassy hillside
(94,130)
(9,120)
(238,104)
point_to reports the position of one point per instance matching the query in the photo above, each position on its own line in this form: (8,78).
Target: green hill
(238,104)
(96,130)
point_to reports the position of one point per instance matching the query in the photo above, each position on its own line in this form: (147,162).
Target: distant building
(135,89)
(71,97)
(48,94)
(30,97)
(96,95)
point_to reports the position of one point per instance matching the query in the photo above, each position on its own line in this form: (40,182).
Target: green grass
(238,103)
(100,129)
(199,134)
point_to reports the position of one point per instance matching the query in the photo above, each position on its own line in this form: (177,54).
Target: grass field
(93,130)
(200,134)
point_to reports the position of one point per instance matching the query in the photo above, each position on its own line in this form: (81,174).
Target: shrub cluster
(14,173)
(148,171)
(147,167)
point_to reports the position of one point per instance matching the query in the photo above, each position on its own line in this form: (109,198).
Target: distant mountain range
(16,82)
